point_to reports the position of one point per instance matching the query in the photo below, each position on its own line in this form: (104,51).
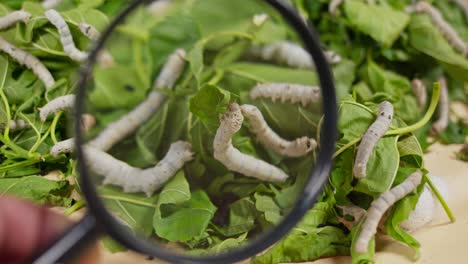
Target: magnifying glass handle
(70,244)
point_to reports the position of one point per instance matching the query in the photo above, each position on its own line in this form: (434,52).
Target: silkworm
(420,92)
(232,158)
(29,61)
(287,92)
(269,139)
(89,31)
(444,107)
(380,206)
(333,6)
(128,123)
(290,54)
(159,8)
(18,124)
(65,36)
(370,138)
(133,179)
(56,105)
(104,57)
(355,211)
(48,4)
(13,18)
(463,4)
(444,27)
(87,121)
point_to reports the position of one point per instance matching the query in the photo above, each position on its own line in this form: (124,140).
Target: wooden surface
(441,242)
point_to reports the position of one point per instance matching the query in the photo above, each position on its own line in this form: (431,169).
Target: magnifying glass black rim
(313,187)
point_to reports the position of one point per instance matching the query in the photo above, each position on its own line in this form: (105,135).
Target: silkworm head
(234,117)
(183,147)
(181,53)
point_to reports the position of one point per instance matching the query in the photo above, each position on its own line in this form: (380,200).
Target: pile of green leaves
(225,209)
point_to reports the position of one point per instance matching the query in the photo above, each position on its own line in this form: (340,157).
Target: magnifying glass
(196,179)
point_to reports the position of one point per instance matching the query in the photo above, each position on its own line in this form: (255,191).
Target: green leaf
(267,205)
(368,19)
(409,147)
(176,205)
(455,133)
(210,102)
(135,210)
(242,215)
(426,38)
(37,189)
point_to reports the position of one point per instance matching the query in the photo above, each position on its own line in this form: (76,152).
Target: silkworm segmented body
(291,54)
(65,146)
(420,91)
(159,8)
(122,127)
(13,18)
(133,179)
(65,36)
(104,57)
(444,108)
(48,4)
(380,206)
(57,104)
(18,124)
(28,60)
(233,159)
(269,139)
(444,27)
(287,92)
(370,138)
(333,6)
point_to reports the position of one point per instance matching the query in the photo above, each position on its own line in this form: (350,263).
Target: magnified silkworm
(370,138)
(380,206)
(444,108)
(48,4)
(133,179)
(18,124)
(333,6)
(128,123)
(290,54)
(287,92)
(13,18)
(444,27)
(104,57)
(159,8)
(420,92)
(28,60)
(233,159)
(55,105)
(269,139)
(463,4)
(87,122)
(65,36)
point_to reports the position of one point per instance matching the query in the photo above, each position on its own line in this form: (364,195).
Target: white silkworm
(56,105)
(104,57)
(333,6)
(420,92)
(380,206)
(159,8)
(89,31)
(444,108)
(287,92)
(172,70)
(444,27)
(370,138)
(87,121)
(28,60)
(128,123)
(13,18)
(269,139)
(233,159)
(133,179)
(18,124)
(355,211)
(48,4)
(463,4)
(291,54)
(65,36)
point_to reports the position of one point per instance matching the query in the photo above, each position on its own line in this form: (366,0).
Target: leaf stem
(403,130)
(447,209)
(53,126)
(18,150)
(77,206)
(8,115)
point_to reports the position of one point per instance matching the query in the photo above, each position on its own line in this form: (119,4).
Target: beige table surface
(441,242)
